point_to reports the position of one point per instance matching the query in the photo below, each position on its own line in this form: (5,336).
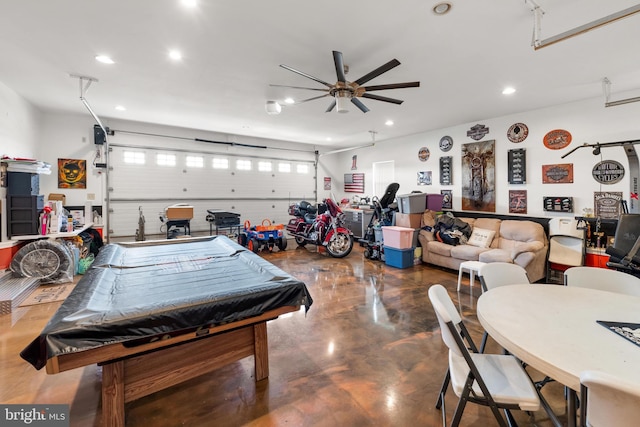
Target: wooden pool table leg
(261,350)
(113,394)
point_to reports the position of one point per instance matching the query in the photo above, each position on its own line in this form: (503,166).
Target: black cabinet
(23,184)
(24,214)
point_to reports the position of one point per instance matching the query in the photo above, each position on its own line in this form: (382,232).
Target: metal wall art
(608,172)
(518,201)
(557,139)
(446,143)
(478,176)
(446,172)
(608,204)
(557,174)
(354,183)
(447,200)
(558,204)
(477,132)
(423,154)
(518,132)
(517,167)
(424,178)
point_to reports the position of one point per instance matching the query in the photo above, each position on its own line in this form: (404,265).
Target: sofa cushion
(439,248)
(481,237)
(496,255)
(492,224)
(467,252)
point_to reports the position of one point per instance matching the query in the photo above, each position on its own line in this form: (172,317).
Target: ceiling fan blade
(331,106)
(359,104)
(382,98)
(337,60)
(311,99)
(375,73)
(286,67)
(300,87)
(391,86)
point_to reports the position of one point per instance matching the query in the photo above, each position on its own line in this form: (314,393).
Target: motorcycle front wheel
(340,245)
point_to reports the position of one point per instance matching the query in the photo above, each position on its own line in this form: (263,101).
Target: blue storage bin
(399,258)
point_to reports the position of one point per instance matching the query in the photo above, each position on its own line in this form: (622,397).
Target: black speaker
(98,135)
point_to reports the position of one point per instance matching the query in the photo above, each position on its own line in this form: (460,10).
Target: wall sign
(477,132)
(447,200)
(354,183)
(423,154)
(517,168)
(424,178)
(608,172)
(518,132)
(607,204)
(557,139)
(446,164)
(446,143)
(557,174)
(518,201)
(558,204)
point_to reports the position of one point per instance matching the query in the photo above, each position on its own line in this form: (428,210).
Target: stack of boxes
(399,246)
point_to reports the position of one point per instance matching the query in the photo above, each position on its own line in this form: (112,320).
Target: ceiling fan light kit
(344,91)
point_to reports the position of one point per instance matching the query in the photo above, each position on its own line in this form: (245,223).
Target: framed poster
(445,170)
(518,201)
(327,183)
(517,167)
(424,178)
(478,176)
(447,200)
(354,183)
(72,173)
(557,174)
(607,204)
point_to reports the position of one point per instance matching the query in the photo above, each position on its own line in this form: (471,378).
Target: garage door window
(284,167)
(243,165)
(302,168)
(264,166)
(166,159)
(133,157)
(194,161)
(220,163)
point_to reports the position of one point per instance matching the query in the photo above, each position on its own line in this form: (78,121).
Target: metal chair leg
(443,389)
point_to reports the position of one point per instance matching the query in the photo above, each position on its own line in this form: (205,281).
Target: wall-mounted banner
(608,172)
(354,183)
(557,174)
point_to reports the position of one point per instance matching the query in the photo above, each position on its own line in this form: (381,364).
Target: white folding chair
(566,244)
(608,401)
(495,380)
(603,279)
(495,274)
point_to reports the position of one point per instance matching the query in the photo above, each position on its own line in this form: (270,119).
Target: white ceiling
(232,51)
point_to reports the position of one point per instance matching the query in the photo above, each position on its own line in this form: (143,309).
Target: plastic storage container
(398,237)
(399,258)
(434,202)
(412,203)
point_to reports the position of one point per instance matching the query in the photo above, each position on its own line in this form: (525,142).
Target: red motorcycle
(322,226)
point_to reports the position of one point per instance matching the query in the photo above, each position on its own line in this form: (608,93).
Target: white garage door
(150,179)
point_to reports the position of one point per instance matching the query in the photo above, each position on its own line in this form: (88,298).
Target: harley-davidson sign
(608,172)
(556,174)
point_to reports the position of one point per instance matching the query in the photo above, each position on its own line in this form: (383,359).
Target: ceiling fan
(344,91)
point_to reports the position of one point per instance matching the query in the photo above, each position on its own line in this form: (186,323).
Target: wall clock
(446,143)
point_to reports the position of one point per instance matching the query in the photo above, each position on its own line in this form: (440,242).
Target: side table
(473,267)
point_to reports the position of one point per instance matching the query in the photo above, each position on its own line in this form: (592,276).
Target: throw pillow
(481,238)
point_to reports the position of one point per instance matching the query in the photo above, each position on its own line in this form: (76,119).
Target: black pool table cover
(136,293)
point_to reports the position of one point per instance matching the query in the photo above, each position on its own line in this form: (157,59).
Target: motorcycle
(323,226)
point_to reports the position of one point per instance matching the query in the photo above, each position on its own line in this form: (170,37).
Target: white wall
(19,125)
(588,121)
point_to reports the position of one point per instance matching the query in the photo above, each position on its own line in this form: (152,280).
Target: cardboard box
(54,197)
(409,220)
(179,212)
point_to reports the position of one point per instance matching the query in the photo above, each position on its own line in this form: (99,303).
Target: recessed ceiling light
(189,3)
(441,8)
(175,55)
(389,123)
(289,101)
(120,108)
(329,138)
(508,90)
(104,59)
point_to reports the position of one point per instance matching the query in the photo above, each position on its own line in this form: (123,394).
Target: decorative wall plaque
(446,173)
(478,176)
(557,174)
(354,183)
(557,139)
(423,154)
(446,143)
(477,132)
(517,167)
(518,201)
(608,204)
(608,172)
(447,200)
(518,132)
(558,204)
(424,178)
